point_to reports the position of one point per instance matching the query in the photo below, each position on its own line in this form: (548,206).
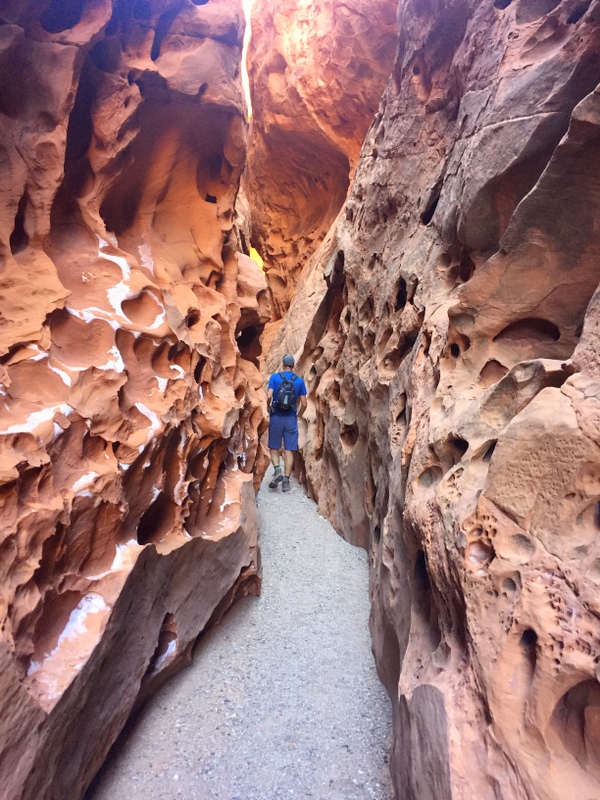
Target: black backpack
(285,399)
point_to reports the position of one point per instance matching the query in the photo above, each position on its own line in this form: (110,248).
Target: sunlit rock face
(129,341)
(317,69)
(449,334)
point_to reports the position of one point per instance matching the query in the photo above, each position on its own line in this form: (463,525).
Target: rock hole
(349,435)
(528,645)
(106,55)
(528,638)
(576,720)
(509,585)
(157,521)
(492,372)
(61,15)
(522,545)
(249,343)
(199,2)
(401,411)
(458,447)
(365,313)
(198,369)
(427,215)
(502,4)
(466,266)
(162,29)
(578,13)
(540,330)
(142,10)
(424,604)
(454,350)
(192,317)
(479,553)
(401,295)
(376,534)
(19,238)
(430,476)
(210,198)
(166,647)
(487,456)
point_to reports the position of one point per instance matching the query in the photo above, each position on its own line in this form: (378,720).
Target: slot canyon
(421,181)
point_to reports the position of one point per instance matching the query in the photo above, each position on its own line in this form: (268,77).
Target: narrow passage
(282,699)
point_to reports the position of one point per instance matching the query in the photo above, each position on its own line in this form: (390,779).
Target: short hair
(288,360)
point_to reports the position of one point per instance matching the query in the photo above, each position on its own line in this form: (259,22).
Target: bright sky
(247,5)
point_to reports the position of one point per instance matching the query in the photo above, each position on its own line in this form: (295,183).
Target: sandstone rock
(448,333)
(317,70)
(132,404)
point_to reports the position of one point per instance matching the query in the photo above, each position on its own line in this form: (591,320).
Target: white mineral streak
(155,420)
(146,260)
(65,377)
(160,661)
(85,481)
(56,670)
(37,418)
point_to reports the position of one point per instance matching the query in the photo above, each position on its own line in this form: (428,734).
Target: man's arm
(301,405)
(269,399)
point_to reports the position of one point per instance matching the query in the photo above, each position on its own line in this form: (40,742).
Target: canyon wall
(448,329)
(132,403)
(317,69)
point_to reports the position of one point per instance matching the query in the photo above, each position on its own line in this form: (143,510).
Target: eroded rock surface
(132,402)
(317,69)
(449,335)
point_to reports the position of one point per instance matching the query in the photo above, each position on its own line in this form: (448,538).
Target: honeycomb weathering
(448,331)
(129,334)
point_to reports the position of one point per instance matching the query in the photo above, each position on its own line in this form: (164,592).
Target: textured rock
(317,69)
(448,332)
(129,343)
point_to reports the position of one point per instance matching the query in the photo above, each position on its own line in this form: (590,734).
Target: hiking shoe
(285,486)
(276,479)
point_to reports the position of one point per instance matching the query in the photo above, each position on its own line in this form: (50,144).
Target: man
(287,401)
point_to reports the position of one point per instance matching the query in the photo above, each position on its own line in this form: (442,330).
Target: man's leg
(290,445)
(288,462)
(275,436)
(277,476)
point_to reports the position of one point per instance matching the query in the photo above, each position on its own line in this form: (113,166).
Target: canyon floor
(282,699)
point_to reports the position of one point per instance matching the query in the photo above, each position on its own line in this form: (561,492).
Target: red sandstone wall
(317,70)
(449,335)
(128,348)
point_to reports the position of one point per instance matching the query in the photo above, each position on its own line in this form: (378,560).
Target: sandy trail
(282,699)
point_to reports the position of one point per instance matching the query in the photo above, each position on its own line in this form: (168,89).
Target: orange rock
(316,75)
(129,339)
(448,333)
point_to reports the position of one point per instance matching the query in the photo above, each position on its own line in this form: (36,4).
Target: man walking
(287,401)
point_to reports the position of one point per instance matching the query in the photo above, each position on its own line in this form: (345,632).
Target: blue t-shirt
(275,382)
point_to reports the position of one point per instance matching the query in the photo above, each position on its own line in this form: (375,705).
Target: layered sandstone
(129,328)
(317,69)
(449,335)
